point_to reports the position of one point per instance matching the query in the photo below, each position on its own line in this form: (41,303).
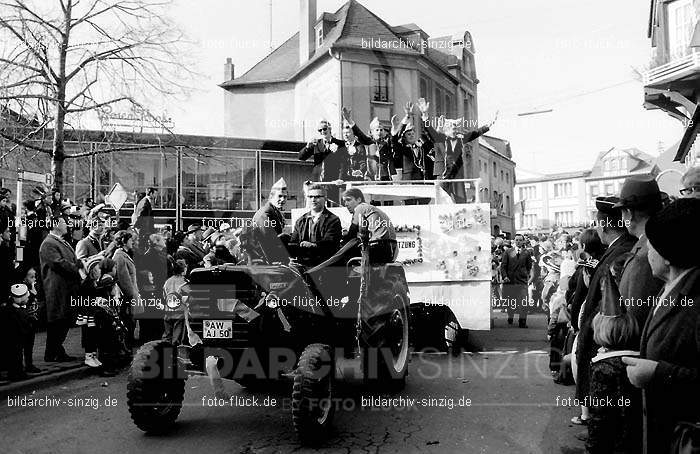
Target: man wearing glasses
(691,183)
(330,157)
(316,235)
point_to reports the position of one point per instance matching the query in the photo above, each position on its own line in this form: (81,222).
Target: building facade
(568,199)
(497,173)
(349,58)
(672,81)
(216,177)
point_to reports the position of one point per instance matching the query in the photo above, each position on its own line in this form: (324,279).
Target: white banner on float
(446,252)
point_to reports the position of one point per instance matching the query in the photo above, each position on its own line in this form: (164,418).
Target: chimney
(307,20)
(228,70)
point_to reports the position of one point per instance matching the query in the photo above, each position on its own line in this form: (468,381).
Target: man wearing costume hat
(612,232)
(380,156)
(411,151)
(450,152)
(270,220)
(669,370)
(358,167)
(142,217)
(640,198)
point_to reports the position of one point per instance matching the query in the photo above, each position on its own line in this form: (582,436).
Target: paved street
(513,409)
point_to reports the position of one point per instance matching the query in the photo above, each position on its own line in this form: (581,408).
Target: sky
(576,58)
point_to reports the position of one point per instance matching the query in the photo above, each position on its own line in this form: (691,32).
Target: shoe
(579,421)
(32,370)
(91,360)
(510,321)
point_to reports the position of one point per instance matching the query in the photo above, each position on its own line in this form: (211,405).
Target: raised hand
(347,114)
(423,106)
(395,124)
(408,108)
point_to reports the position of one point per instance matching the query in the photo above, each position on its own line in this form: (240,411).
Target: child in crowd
(559,316)
(175,292)
(18,327)
(615,423)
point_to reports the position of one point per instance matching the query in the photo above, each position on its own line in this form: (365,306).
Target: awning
(690,136)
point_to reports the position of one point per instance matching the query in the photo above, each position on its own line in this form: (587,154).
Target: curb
(44,381)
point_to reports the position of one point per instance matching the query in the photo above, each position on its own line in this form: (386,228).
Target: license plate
(218,329)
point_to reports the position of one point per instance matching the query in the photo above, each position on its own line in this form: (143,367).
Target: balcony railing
(674,69)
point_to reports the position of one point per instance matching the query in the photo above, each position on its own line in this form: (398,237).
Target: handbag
(686,438)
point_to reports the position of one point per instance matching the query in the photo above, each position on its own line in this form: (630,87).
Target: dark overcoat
(60,277)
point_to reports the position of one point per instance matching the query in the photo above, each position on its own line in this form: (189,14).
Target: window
(319,35)
(486,168)
(527,192)
(615,164)
(502,176)
(439,107)
(607,165)
(495,172)
(609,189)
(594,190)
(507,178)
(623,164)
(381,85)
(681,23)
(563,189)
(530,221)
(448,106)
(564,218)
(506,208)
(423,88)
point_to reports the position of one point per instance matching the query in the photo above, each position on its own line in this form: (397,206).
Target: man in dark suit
(270,220)
(317,234)
(379,151)
(640,198)
(357,169)
(142,218)
(61,281)
(329,155)
(669,367)
(450,152)
(612,233)
(516,263)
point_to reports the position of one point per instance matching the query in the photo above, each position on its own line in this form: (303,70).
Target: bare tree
(61,60)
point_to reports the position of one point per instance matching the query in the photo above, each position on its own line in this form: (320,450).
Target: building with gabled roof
(349,58)
(567,199)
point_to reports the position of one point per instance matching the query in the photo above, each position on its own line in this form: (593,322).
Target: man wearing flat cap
(270,221)
(640,198)
(191,250)
(612,232)
(669,367)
